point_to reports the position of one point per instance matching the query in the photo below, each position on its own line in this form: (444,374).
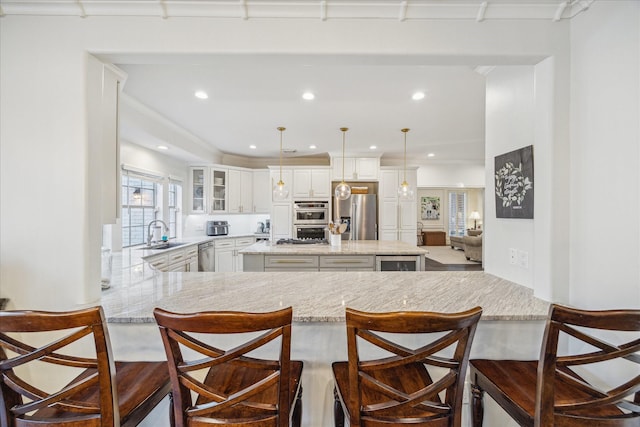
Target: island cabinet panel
(291,263)
(347,263)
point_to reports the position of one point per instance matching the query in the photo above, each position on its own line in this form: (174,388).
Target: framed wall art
(430,208)
(514,184)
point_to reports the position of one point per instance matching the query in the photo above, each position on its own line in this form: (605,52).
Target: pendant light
(280,191)
(343,191)
(405,192)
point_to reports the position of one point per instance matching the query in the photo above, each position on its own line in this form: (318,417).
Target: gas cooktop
(301,241)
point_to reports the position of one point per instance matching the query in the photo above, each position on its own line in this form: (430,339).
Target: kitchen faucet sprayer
(149,235)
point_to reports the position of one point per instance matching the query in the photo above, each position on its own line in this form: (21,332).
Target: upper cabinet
(219,181)
(240,191)
(311,183)
(261,191)
(198,181)
(355,168)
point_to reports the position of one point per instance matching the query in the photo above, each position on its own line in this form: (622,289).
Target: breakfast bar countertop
(347,247)
(318,296)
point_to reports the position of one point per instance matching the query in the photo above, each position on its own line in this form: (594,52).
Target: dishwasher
(206,260)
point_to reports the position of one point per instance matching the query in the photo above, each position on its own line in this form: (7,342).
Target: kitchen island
(350,255)
(511,325)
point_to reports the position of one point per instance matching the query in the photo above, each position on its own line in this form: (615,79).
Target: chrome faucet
(149,235)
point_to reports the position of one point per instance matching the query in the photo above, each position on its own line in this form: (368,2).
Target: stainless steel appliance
(398,263)
(217,228)
(206,259)
(310,231)
(310,213)
(360,212)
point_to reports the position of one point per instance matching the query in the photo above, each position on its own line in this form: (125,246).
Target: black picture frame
(514,184)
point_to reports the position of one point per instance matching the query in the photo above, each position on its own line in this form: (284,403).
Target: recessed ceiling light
(373,147)
(312,147)
(418,96)
(431,155)
(201,94)
(162,147)
(253,147)
(308,96)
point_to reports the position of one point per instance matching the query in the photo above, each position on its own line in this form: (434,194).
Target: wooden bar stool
(231,387)
(550,392)
(407,386)
(106,393)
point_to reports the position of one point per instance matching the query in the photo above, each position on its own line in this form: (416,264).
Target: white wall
(605,153)
(43,113)
(509,126)
(451,175)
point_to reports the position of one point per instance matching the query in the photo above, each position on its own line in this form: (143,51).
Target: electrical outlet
(200,227)
(523,259)
(513,256)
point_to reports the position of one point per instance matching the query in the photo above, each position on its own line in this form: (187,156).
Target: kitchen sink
(162,245)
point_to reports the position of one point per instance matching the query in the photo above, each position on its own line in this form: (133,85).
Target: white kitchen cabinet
(398,219)
(198,189)
(184,259)
(311,183)
(227,253)
(241,243)
(355,168)
(219,193)
(240,191)
(224,249)
(281,225)
(261,191)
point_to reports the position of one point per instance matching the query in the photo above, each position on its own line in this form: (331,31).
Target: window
(457,213)
(175,203)
(139,201)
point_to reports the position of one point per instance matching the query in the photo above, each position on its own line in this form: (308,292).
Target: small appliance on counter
(217,228)
(267,226)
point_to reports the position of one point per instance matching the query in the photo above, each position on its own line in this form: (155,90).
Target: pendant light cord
(344,130)
(281,129)
(405,154)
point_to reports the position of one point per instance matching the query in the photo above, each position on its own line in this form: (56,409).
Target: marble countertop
(347,247)
(317,296)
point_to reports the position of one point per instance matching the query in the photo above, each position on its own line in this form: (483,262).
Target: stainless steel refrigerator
(360,213)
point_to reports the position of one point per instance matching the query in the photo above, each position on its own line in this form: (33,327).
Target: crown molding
(403,11)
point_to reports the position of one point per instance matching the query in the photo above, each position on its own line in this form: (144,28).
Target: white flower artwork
(514,184)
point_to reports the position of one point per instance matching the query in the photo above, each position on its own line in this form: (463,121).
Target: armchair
(473,247)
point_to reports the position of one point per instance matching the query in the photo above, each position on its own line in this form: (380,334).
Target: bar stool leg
(338,413)
(477,406)
(297,410)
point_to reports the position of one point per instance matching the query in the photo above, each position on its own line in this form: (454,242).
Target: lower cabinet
(185,259)
(310,263)
(347,263)
(227,253)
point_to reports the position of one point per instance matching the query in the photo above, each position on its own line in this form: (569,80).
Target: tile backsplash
(195,225)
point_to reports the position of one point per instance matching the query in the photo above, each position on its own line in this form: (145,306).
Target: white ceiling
(251,95)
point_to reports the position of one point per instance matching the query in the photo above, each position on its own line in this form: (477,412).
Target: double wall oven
(310,219)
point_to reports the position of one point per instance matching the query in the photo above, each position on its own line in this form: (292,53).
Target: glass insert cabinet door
(198,183)
(219,190)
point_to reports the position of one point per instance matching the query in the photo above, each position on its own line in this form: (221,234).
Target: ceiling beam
(481,12)
(245,11)
(163,7)
(559,11)
(83,13)
(403,11)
